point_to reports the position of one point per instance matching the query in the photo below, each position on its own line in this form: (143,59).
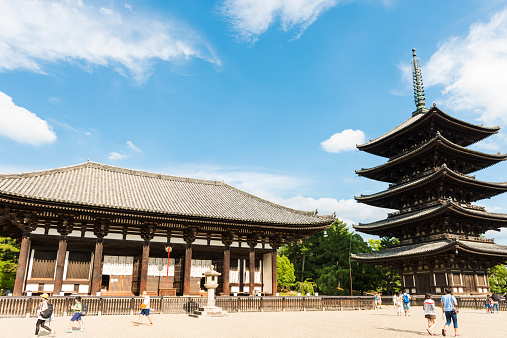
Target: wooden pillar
(60,264)
(273,271)
(22,262)
(252,270)
(144,267)
(227,267)
(188,266)
(97,267)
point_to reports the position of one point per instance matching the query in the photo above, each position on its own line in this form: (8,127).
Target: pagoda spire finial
(419,99)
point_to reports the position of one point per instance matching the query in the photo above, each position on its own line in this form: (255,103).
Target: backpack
(84,309)
(48,312)
(405,298)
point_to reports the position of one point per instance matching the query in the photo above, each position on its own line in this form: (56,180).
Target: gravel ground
(378,323)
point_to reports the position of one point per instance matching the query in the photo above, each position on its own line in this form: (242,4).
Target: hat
(45,295)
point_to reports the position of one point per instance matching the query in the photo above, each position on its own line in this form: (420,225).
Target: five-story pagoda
(438,227)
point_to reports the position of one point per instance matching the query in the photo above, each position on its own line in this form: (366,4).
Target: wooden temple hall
(93,228)
(437,222)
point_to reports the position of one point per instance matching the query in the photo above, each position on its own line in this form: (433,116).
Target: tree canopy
(324,258)
(498,278)
(9,252)
(284,272)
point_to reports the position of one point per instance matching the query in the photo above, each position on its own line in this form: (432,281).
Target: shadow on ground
(403,331)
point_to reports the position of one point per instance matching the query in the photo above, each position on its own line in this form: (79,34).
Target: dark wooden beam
(60,264)
(97,267)
(186,272)
(144,267)
(23,258)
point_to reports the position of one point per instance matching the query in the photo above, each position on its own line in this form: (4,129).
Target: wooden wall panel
(78,266)
(44,263)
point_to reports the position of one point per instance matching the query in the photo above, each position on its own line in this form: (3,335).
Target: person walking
(429,313)
(145,309)
(379,299)
(406,302)
(399,303)
(495,299)
(77,308)
(449,307)
(394,301)
(41,320)
(488,304)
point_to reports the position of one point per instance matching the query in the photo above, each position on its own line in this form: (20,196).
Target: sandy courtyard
(378,323)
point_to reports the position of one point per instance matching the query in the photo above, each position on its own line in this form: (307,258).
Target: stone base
(209,312)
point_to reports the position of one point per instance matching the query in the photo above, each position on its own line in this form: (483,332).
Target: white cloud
(133,147)
(34,32)
(114,156)
(344,141)
(473,71)
(347,210)
(405,85)
(23,126)
(249,19)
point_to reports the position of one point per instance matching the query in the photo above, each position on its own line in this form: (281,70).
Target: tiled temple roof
(497,187)
(434,142)
(420,249)
(419,117)
(99,185)
(429,212)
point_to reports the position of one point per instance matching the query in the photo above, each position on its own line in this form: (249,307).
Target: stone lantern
(210,310)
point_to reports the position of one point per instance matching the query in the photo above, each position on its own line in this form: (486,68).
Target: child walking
(78,307)
(429,313)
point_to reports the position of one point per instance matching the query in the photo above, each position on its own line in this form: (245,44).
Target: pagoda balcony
(415,208)
(444,236)
(414,177)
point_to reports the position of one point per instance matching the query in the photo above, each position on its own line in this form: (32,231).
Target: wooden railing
(28,306)
(468,302)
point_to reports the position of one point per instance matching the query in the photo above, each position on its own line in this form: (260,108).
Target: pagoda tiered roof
(430,121)
(493,220)
(104,188)
(393,197)
(432,248)
(475,160)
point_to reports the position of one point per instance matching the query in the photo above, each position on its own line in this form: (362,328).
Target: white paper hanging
(129,262)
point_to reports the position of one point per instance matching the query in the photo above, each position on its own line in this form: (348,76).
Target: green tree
(390,279)
(498,278)
(326,261)
(9,252)
(284,272)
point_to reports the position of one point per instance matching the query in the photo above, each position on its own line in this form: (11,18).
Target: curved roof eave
(434,142)
(441,171)
(421,117)
(429,213)
(423,249)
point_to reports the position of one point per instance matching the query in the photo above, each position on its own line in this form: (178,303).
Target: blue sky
(269,96)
